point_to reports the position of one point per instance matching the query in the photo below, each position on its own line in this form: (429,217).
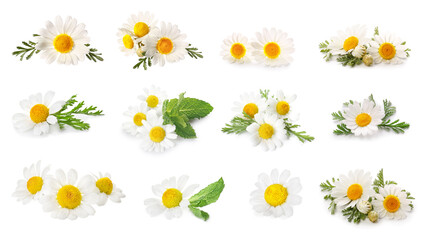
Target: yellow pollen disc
(69,197)
(250,109)
(363,119)
(141,29)
(391,203)
(34,184)
(387,51)
(128,42)
(138,118)
(355,191)
(39,113)
(282,107)
(275,195)
(63,43)
(350,43)
(164,45)
(105,185)
(238,50)
(152,101)
(172,198)
(272,50)
(157,134)
(266,131)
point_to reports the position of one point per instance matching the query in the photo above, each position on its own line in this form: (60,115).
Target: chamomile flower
(352,189)
(33,184)
(348,40)
(236,49)
(38,114)
(268,131)
(64,41)
(275,194)
(387,48)
(273,48)
(363,119)
(154,97)
(157,136)
(166,44)
(172,197)
(65,198)
(139,26)
(107,189)
(136,115)
(127,43)
(281,105)
(392,202)
(251,104)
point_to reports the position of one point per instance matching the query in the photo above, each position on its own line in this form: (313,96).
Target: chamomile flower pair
(271,48)
(63,195)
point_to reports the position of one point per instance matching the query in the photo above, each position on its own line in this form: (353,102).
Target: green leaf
(194,108)
(238,124)
(337,116)
(208,195)
(185,132)
(302,136)
(342,130)
(199,213)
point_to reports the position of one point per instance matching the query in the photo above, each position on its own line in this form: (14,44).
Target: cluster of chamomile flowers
(270,47)
(63,195)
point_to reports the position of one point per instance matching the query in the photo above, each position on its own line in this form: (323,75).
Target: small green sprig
(328,186)
(325,50)
(193,52)
(238,124)
(302,136)
(68,117)
(144,61)
(93,55)
(349,60)
(27,48)
(206,196)
(353,214)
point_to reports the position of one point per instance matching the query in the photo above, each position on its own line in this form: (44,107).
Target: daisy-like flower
(33,184)
(359,51)
(268,131)
(166,44)
(388,49)
(275,194)
(139,26)
(392,202)
(363,119)
(352,189)
(64,41)
(154,97)
(251,104)
(157,136)
(273,48)
(136,115)
(107,189)
(172,197)
(127,43)
(348,40)
(281,105)
(66,199)
(236,49)
(38,115)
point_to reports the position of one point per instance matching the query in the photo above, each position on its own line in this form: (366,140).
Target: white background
(321,89)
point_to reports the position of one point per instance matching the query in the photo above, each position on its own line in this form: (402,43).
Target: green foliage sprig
(349,60)
(193,52)
(93,55)
(206,196)
(325,50)
(353,214)
(238,124)
(301,135)
(328,186)
(27,48)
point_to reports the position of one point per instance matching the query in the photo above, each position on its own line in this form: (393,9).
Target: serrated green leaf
(199,213)
(194,108)
(185,132)
(208,195)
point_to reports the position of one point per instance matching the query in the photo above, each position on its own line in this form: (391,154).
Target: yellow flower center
(250,109)
(138,118)
(34,184)
(266,131)
(391,203)
(272,50)
(157,134)
(141,29)
(69,197)
(128,42)
(172,198)
(63,43)
(238,50)
(164,45)
(105,185)
(387,51)
(282,107)
(276,194)
(152,101)
(355,191)
(39,113)
(350,43)
(363,119)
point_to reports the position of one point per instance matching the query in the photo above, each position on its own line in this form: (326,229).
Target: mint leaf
(199,213)
(208,195)
(194,108)
(185,132)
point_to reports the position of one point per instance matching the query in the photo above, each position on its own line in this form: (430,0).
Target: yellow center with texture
(238,50)
(128,42)
(275,195)
(39,113)
(350,43)
(266,131)
(272,50)
(157,134)
(391,203)
(105,185)
(34,184)
(250,109)
(172,198)
(141,29)
(387,51)
(282,107)
(164,45)
(63,43)
(138,118)
(354,191)
(152,101)
(69,197)
(363,119)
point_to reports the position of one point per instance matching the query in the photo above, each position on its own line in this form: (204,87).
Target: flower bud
(368,60)
(140,52)
(373,216)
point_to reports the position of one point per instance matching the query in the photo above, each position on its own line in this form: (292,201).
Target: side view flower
(366,118)
(33,185)
(63,41)
(107,189)
(360,198)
